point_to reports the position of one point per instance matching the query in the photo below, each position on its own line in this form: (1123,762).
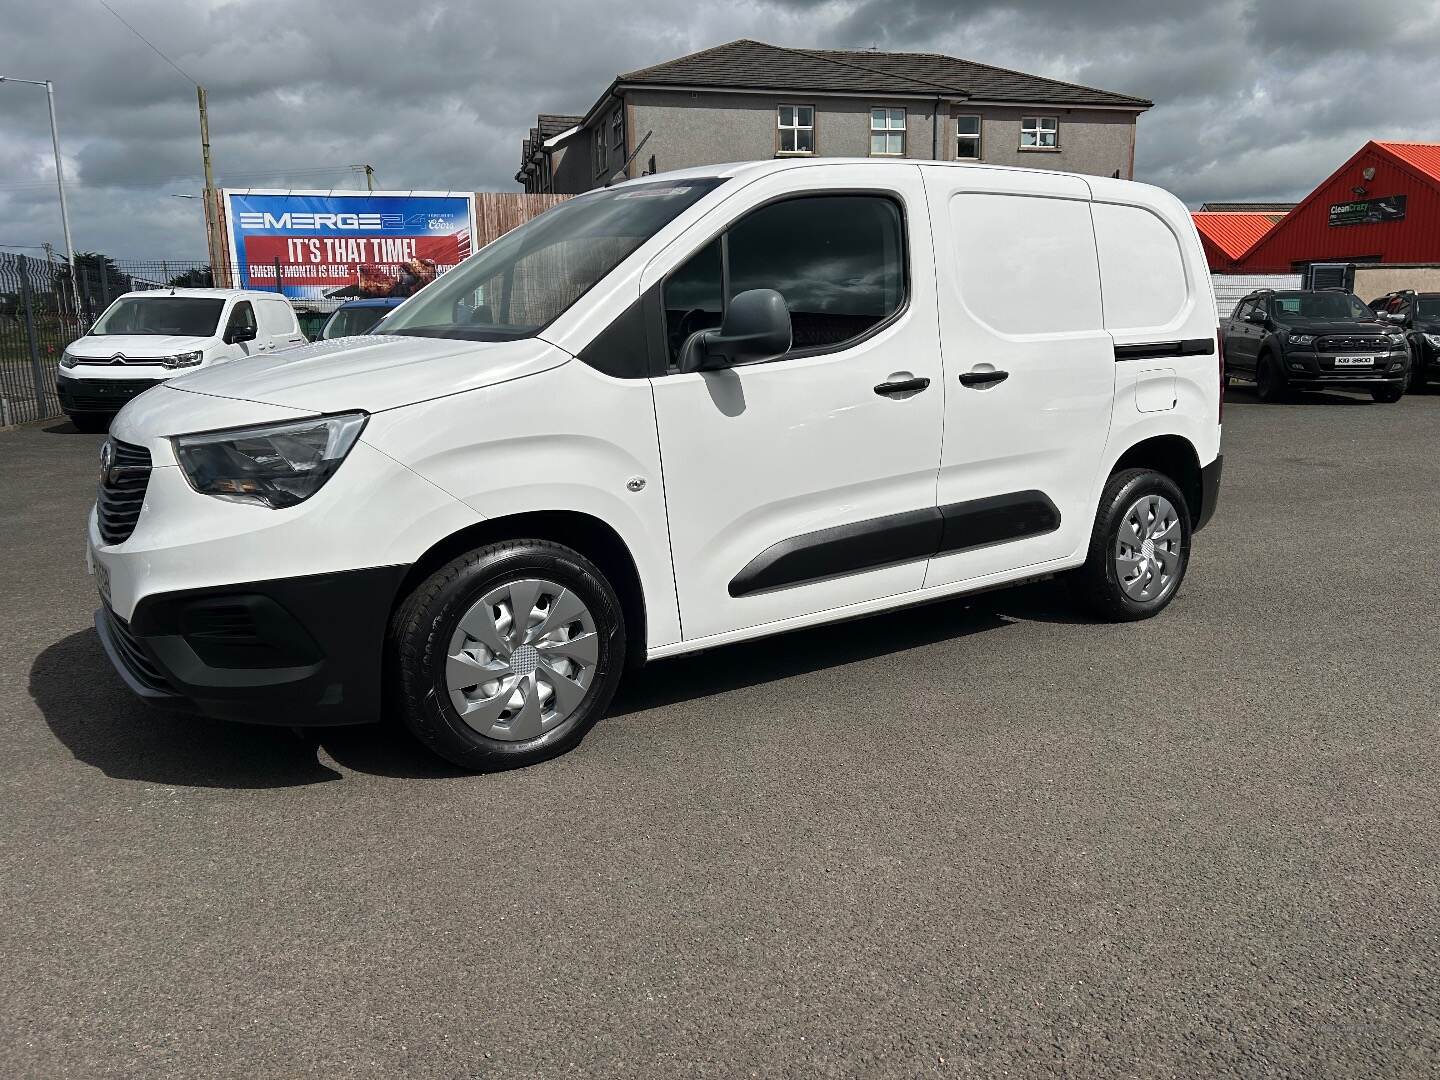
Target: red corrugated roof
(1233,234)
(1422,156)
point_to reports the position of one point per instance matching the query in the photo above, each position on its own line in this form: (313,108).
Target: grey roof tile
(746,64)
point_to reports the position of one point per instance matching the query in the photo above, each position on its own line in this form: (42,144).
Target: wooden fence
(497,212)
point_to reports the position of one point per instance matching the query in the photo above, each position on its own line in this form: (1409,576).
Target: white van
(144,338)
(679,412)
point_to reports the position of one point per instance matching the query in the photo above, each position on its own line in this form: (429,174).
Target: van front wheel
(506,655)
(1139,548)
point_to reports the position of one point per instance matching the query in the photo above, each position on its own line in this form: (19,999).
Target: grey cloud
(1254,98)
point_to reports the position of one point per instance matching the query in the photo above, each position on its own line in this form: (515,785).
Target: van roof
(752,168)
(212,294)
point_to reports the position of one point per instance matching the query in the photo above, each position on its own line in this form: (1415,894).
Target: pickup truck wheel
(1388,394)
(506,655)
(1139,548)
(1269,380)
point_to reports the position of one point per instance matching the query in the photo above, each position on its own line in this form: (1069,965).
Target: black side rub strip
(1200,346)
(895,539)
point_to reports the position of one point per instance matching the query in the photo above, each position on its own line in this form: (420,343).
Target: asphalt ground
(983,837)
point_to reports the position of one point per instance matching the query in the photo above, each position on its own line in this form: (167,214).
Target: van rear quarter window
(1026,265)
(1141,268)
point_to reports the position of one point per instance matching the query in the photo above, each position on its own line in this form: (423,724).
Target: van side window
(242,315)
(1026,265)
(838,260)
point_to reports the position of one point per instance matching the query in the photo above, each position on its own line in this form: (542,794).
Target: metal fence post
(26,301)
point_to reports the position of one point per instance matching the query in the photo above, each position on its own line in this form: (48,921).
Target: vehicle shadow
(751,663)
(1244,394)
(65,427)
(102,724)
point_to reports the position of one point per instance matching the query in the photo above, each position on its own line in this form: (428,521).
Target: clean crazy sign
(1368,211)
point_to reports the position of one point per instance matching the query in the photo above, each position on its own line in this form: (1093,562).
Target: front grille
(122,491)
(103,395)
(1353,342)
(133,655)
(118,358)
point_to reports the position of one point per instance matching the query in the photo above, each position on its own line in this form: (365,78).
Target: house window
(599,151)
(887,132)
(967,138)
(1039,133)
(796,125)
(617,129)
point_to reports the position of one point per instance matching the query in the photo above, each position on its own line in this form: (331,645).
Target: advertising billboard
(340,245)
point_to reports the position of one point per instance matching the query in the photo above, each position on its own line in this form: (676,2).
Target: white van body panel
(1020,294)
(569,438)
(757,455)
(376,372)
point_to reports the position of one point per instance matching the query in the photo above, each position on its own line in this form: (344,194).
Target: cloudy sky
(1255,99)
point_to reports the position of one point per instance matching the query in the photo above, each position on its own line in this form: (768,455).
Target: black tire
(1097,583)
(423,625)
(1269,380)
(91,423)
(1415,381)
(1388,394)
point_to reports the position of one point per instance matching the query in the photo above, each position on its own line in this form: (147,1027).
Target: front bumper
(272,616)
(1317,369)
(288,651)
(99,395)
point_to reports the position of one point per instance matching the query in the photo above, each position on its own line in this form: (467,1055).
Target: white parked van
(144,338)
(679,412)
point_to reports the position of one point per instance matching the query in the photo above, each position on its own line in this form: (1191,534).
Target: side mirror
(237,334)
(1256,316)
(756,328)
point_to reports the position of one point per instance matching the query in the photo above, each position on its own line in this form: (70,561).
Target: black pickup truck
(1312,340)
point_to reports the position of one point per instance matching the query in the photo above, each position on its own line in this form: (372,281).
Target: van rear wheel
(1139,548)
(508,654)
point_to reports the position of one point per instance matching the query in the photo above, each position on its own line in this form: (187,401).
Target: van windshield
(1296,306)
(157,316)
(522,282)
(350,322)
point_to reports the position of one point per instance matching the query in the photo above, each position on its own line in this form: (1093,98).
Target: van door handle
(902,386)
(982,378)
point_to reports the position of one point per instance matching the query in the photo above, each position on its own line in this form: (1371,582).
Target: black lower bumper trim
(1209,491)
(295,651)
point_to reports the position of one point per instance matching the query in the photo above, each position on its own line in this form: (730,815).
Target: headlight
(275,465)
(184,359)
(1434,340)
(1302,339)
(66,360)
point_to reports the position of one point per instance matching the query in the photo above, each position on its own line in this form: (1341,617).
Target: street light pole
(59,180)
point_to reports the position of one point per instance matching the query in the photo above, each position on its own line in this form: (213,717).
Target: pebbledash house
(747,100)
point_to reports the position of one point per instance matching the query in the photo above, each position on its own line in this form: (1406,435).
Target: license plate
(1354,361)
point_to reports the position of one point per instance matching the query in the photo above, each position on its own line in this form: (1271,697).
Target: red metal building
(1227,236)
(1381,206)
